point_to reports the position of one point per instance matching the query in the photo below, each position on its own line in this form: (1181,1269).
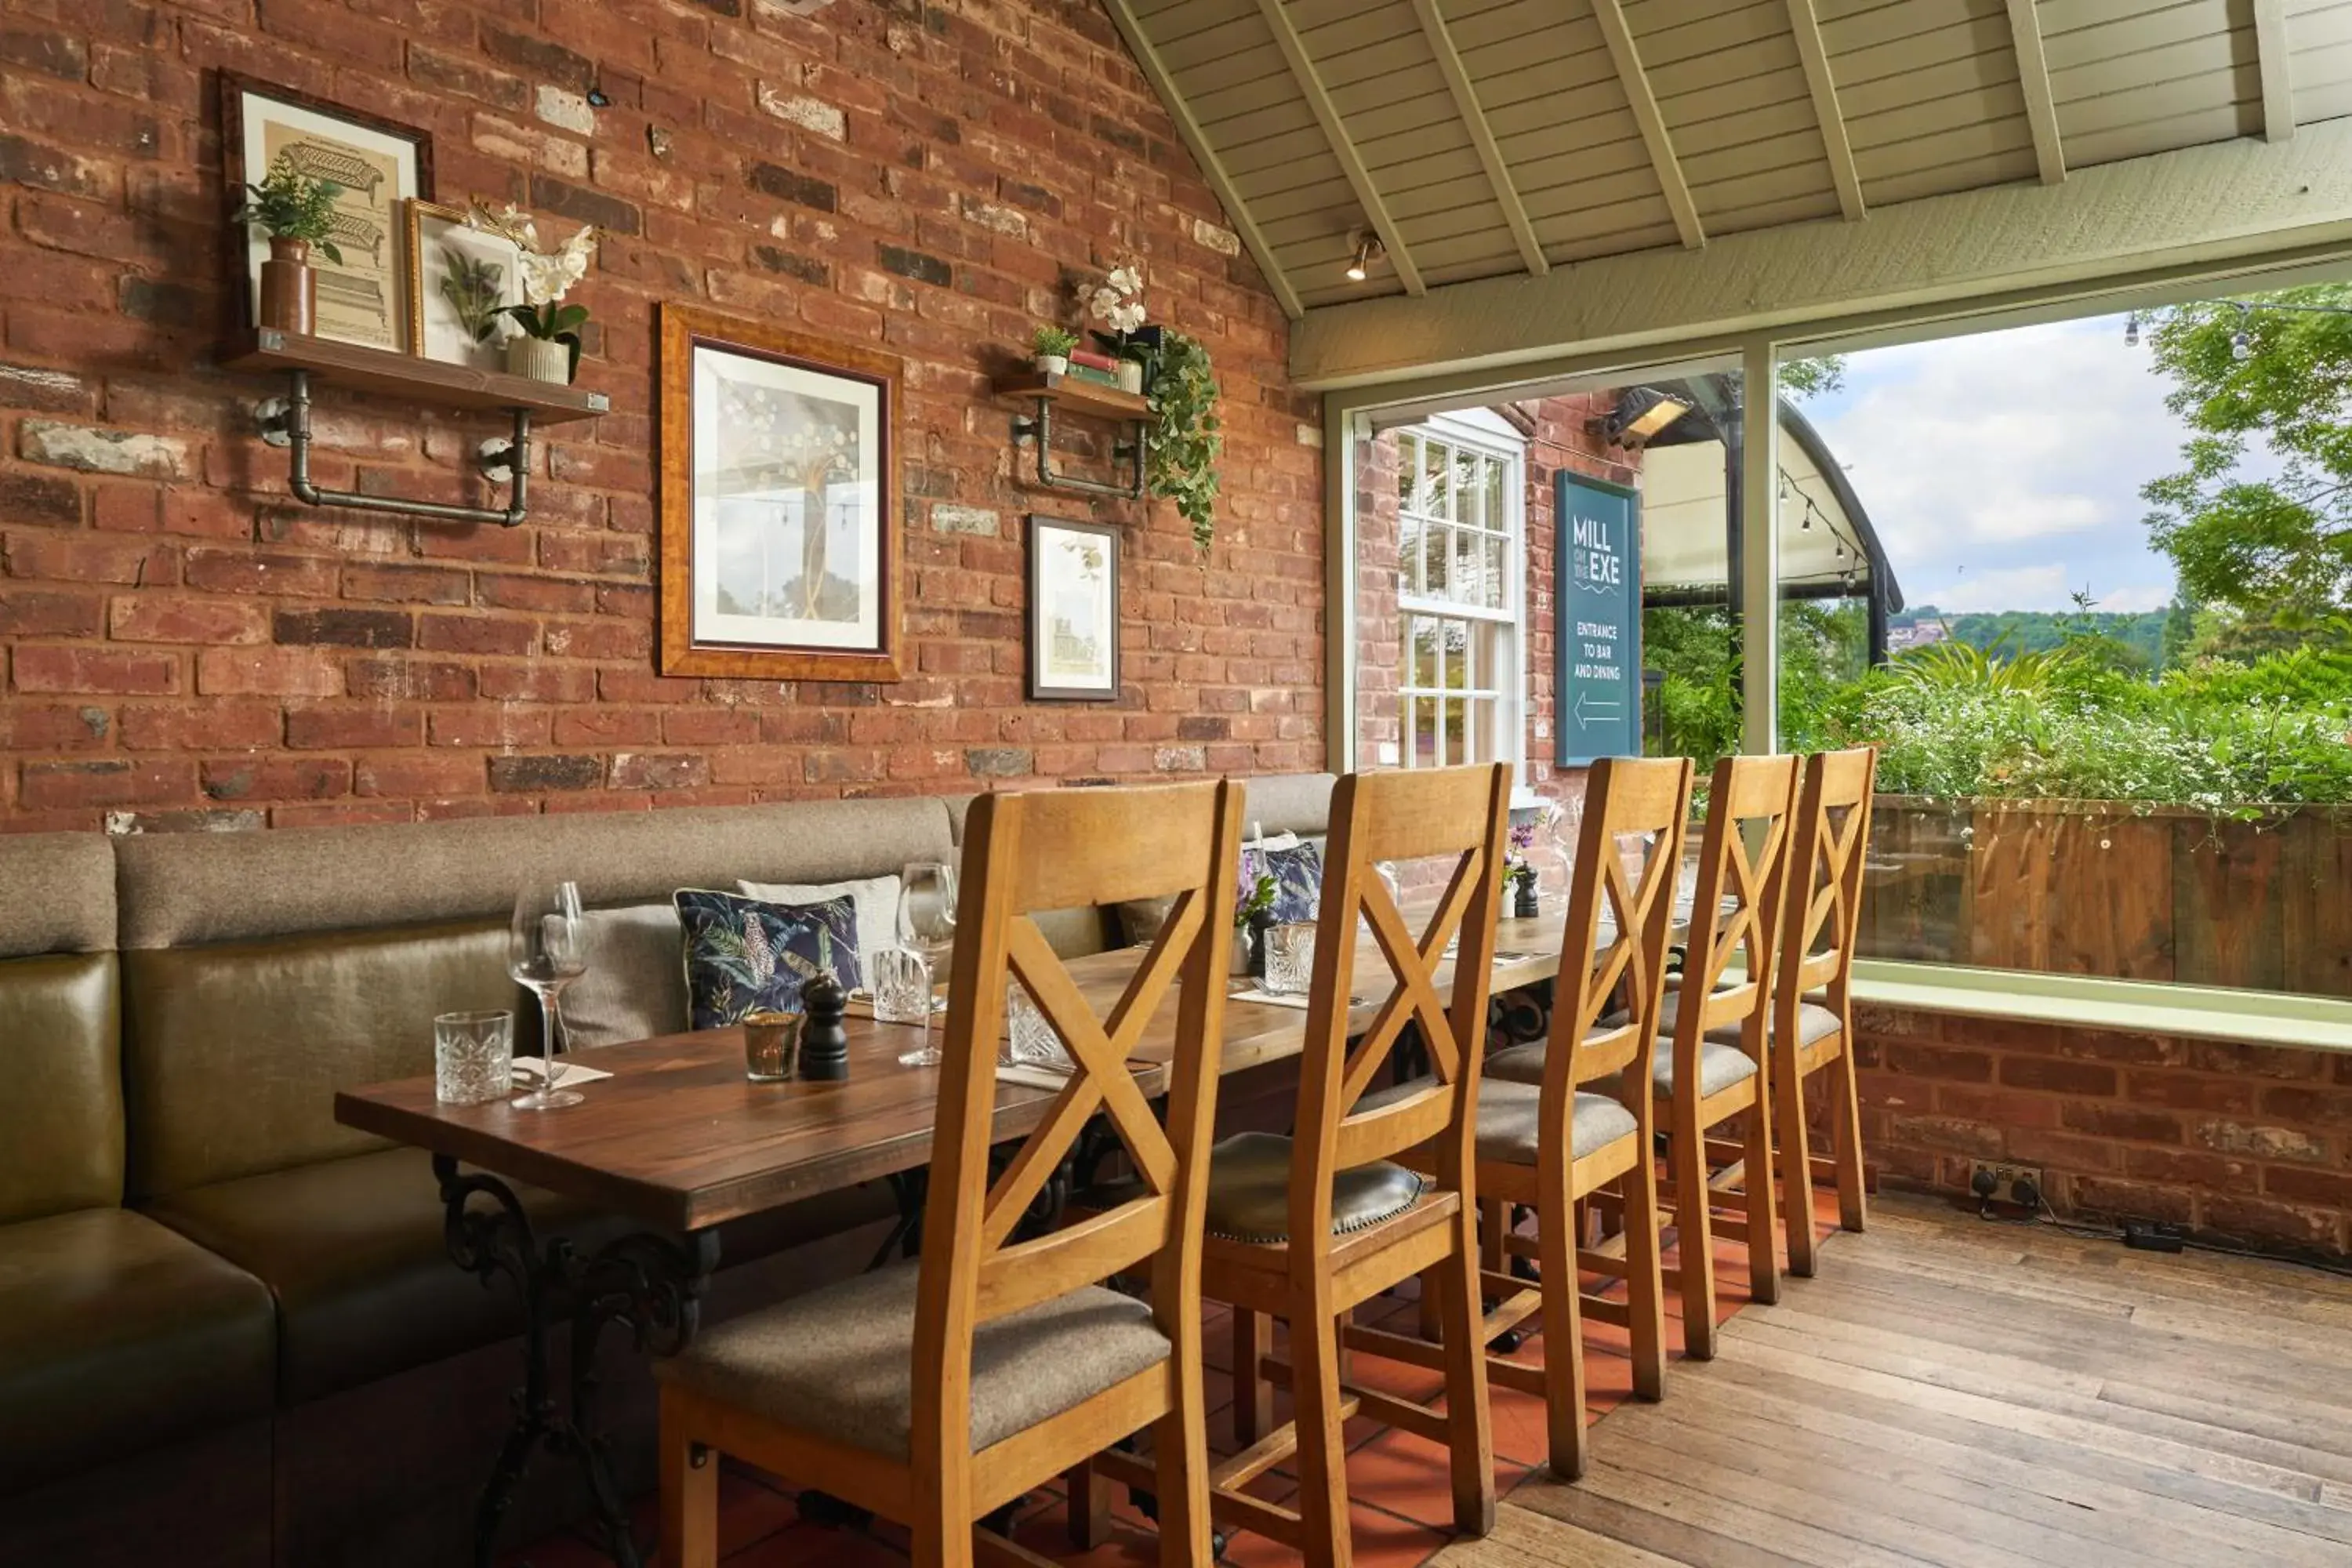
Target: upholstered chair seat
(839,1360)
(1510,1118)
(1249,1191)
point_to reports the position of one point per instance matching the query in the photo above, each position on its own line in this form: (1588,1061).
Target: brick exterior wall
(187,647)
(2249,1144)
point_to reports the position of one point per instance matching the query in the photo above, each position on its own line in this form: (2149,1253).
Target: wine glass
(926,918)
(547,950)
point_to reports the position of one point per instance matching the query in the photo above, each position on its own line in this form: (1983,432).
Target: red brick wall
(2244,1144)
(186,645)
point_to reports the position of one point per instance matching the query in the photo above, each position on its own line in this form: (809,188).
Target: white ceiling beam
(1807,26)
(1212,168)
(1644,104)
(2034,77)
(1482,135)
(2207,209)
(1351,163)
(2271,55)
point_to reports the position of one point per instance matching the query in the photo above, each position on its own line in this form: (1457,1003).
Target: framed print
(1073,610)
(779,503)
(455,280)
(377,162)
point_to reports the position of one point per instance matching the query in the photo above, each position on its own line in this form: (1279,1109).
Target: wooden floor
(1976,1395)
(1945,1392)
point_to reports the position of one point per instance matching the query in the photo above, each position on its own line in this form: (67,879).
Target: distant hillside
(2031,631)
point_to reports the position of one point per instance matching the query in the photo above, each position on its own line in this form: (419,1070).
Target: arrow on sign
(1596,710)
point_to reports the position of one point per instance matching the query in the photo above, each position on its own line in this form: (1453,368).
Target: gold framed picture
(458,281)
(778,503)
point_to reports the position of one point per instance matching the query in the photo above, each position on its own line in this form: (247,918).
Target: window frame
(1502,630)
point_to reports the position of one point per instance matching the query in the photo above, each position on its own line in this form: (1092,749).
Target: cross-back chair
(1563,1120)
(1306,1228)
(934,1393)
(1812,995)
(1713,1060)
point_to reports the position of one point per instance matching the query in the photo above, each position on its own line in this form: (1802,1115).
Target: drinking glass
(1030,1039)
(473,1058)
(926,917)
(902,986)
(1290,959)
(547,950)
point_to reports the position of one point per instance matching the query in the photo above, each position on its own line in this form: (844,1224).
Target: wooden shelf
(417,380)
(1077,396)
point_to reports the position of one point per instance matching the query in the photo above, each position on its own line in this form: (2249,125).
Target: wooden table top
(678,1137)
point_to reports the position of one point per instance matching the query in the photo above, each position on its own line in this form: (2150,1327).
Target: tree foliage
(2272,551)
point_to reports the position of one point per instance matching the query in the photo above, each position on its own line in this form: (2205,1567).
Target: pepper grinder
(824,1044)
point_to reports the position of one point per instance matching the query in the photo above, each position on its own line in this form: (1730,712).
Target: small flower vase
(540,359)
(290,288)
(1054,365)
(1130,375)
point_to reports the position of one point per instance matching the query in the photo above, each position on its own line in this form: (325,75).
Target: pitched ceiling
(1481,138)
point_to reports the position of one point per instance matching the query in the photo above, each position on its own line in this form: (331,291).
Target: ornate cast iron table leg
(652,1284)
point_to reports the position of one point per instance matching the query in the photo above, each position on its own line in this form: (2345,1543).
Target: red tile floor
(1403,1513)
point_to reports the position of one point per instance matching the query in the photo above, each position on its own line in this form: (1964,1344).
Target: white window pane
(1467,568)
(1409,554)
(1456,669)
(1457,740)
(1495,582)
(1438,579)
(1436,476)
(1407,472)
(1498,473)
(1470,491)
(1423,750)
(1425,654)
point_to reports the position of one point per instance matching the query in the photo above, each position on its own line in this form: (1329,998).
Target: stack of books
(1091,364)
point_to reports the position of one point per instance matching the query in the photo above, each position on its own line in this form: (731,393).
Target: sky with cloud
(2002,470)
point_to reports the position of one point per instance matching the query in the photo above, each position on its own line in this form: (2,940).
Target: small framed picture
(779,503)
(375,163)
(459,280)
(1072,611)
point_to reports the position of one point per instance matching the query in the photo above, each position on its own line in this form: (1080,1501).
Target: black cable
(2047,1218)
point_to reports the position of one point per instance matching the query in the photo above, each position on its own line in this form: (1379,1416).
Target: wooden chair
(1813,995)
(1306,1228)
(1549,1142)
(935,1394)
(1714,1061)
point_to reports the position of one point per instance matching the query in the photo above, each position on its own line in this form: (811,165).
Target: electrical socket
(2005,1178)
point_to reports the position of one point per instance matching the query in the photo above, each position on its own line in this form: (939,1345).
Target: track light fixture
(1359,265)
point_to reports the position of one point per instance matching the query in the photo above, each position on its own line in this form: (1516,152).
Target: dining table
(677,1141)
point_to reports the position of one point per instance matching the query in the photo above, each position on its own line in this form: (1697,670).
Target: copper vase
(290,288)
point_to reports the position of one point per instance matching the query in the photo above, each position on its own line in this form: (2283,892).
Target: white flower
(1118,301)
(548,276)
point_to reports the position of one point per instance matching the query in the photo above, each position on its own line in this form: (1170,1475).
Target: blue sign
(1597,697)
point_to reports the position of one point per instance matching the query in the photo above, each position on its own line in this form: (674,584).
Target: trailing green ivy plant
(1186,439)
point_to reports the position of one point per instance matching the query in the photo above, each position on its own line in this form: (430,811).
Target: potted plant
(548,346)
(1184,439)
(1051,345)
(295,211)
(1118,303)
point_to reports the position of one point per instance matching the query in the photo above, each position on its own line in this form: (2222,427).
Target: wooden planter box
(2114,888)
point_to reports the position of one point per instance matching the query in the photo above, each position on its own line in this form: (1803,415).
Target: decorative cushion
(840,1361)
(1249,1191)
(634,987)
(745,956)
(1719,1066)
(1298,873)
(876,899)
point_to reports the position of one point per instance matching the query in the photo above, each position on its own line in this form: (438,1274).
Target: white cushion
(1719,1066)
(635,986)
(875,899)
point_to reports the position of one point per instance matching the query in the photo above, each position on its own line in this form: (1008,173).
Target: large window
(1460,488)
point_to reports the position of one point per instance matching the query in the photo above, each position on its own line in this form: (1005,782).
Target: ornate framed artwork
(1072,611)
(457,279)
(778,503)
(376,162)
